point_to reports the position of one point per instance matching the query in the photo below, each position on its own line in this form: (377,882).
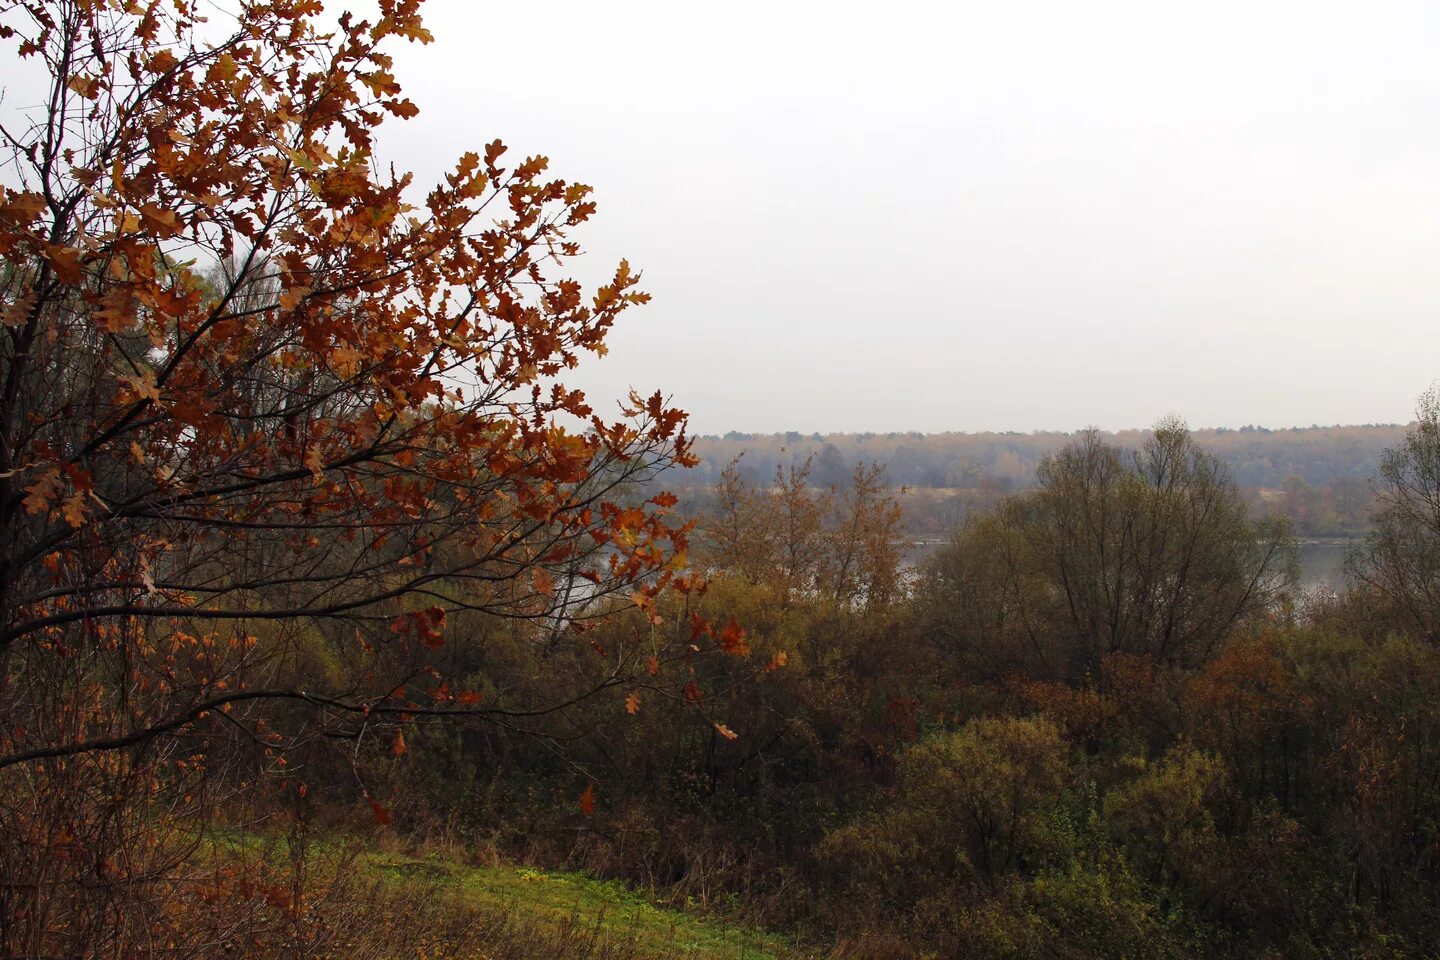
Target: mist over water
(1322,562)
(1322,565)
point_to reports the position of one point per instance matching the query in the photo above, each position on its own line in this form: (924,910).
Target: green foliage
(971,809)
(1163,818)
(1086,910)
(1400,560)
(1148,553)
(990,847)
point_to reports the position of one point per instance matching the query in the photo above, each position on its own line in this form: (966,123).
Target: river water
(1322,562)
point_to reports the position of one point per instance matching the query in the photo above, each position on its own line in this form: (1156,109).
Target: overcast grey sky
(997,215)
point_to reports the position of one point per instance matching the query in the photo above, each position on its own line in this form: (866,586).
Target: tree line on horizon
(1320,478)
(1256,456)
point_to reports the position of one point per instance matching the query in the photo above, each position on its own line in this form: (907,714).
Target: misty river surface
(1322,562)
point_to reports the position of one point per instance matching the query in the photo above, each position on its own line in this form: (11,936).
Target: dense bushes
(1270,823)
(1097,725)
(963,765)
(1149,553)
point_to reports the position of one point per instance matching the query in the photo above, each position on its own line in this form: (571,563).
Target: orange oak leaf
(44,490)
(382,813)
(732,639)
(65,261)
(18,312)
(158,219)
(493,149)
(87,87)
(21,208)
(142,385)
(74,509)
(291,296)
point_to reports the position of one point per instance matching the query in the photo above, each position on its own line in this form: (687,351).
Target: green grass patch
(570,899)
(601,918)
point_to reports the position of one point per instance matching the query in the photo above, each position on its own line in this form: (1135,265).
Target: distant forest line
(1319,476)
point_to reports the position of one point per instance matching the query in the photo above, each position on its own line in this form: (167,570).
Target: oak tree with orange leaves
(256,394)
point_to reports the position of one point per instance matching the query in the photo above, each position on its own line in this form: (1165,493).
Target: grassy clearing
(570,900)
(398,905)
